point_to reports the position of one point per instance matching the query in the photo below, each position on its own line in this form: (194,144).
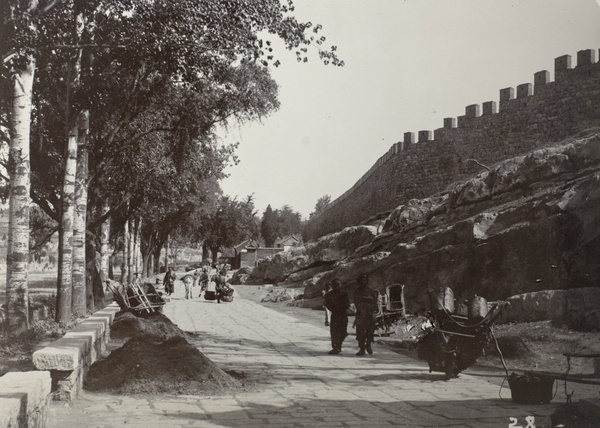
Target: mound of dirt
(143,366)
(156,327)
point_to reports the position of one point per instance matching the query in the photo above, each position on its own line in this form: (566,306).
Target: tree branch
(44,241)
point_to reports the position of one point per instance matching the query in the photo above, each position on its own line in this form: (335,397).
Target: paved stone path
(302,385)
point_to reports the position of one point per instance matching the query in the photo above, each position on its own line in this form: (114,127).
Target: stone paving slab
(302,386)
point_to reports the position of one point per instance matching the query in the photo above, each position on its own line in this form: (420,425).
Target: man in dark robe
(169,281)
(366,302)
(336,300)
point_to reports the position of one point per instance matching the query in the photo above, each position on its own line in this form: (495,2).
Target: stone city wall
(421,165)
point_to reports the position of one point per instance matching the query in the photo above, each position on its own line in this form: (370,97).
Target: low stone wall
(62,366)
(577,308)
(69,358)
(24,399)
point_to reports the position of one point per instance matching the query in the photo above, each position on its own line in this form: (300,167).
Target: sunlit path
(299,384)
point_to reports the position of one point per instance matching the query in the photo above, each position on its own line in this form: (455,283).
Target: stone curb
(69,358)
(62,365)
(24,399)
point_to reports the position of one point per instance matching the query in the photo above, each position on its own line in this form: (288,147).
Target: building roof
(288,240)
(248,243)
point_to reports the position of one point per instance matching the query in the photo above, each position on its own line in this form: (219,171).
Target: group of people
(337,304)
(203,279)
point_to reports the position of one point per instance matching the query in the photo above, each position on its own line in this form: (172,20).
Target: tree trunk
(215,255)
(104,238)
(205,252)
(79,220)
(17,257)
(125,257)
(156,256)
(130,249)
(146,260)
(93,277)
(137,260)
(90,259)
(167,255)
(65,262)
(111,268)
(65,254)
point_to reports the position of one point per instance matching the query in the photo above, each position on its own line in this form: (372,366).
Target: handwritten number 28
(529,419)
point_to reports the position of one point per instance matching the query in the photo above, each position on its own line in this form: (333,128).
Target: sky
(408,65)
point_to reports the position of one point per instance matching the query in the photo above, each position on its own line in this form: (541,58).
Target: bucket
(530,389)
(478,308)
(445,300)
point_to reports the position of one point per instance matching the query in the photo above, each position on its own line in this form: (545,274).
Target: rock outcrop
(304,262)
(528,224)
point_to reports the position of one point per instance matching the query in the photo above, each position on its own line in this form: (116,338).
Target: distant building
(288,242)
(249,252)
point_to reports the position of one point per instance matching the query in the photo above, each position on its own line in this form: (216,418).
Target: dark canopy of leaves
(157,77)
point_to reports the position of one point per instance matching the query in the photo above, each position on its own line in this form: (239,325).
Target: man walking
(169,281)
(365,300)
(204,278)
(188,282)
(336,300)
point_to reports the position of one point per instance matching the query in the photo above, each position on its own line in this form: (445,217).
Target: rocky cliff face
(527,224)
(307,261)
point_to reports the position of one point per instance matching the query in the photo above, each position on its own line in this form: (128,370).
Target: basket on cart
(211,291)
(227,293)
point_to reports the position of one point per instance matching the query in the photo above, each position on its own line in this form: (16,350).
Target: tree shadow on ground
(355,412)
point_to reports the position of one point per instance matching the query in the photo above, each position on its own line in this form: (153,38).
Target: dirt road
(298,384)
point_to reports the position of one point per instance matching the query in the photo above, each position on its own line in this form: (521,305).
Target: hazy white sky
(409,64)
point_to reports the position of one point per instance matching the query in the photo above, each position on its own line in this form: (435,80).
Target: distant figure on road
(188,282)
(204,278)
(337,302)
(169,281)
(219,280)
(326,290)
(365,300)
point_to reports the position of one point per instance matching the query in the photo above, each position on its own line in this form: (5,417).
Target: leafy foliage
(321,205)
(231,223)
(157,78)
(279,223)
(268,227)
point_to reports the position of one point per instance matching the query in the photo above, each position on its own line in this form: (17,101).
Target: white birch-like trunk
(79,219)
(17,257)
(65,253)
(104,239)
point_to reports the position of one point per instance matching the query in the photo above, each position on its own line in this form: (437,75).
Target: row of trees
(109,110)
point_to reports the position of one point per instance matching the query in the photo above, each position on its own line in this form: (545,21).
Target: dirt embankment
(156,358)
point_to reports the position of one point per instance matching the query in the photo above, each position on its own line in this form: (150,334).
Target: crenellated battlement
(525,117)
